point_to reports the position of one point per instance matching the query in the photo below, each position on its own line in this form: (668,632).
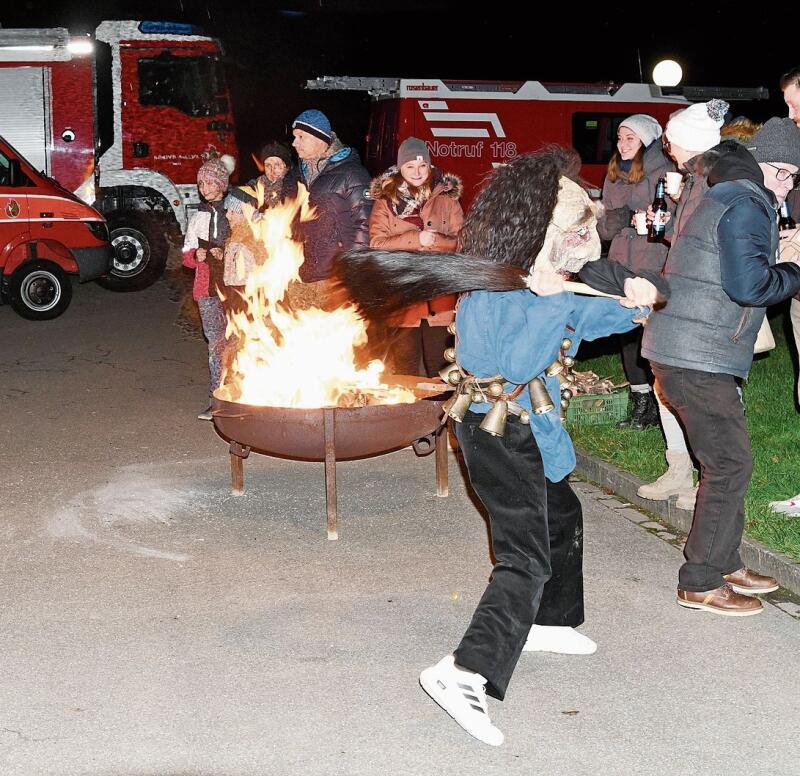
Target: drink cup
(673,186)
(640,222)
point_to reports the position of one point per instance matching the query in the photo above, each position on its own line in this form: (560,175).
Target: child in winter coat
(203,251)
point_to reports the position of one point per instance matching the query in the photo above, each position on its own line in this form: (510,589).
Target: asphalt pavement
(154,624)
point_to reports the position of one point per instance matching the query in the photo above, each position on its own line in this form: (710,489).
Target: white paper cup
(640,222)
(674,183)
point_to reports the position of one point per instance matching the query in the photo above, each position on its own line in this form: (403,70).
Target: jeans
(507,474)
(212,315)
(710,408)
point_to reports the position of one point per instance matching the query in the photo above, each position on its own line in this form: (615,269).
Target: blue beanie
(316,123)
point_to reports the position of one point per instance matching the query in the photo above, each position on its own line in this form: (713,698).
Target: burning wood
(296,358)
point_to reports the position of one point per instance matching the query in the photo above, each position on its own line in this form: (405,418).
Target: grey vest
(701,327)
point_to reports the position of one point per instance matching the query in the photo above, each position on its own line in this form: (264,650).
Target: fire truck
(472,126)
(123,119)
(46,234)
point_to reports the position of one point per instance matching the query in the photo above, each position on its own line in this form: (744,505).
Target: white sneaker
(462,695)
(558,638)
(789,507)
(205,415)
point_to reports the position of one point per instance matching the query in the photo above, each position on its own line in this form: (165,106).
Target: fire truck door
(172,110)
(24,119)
(14,216)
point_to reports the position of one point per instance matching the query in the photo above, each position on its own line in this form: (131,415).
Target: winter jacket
(442,213)
(340,194)
(721,269)
(620,200)
(207,228)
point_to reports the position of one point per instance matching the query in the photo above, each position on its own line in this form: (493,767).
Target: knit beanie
(277,149)
(645,127)
(777,141)
(316,123)
(217,170)
(696,128)
(412,149)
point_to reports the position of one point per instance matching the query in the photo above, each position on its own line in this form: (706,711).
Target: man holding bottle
(722,274)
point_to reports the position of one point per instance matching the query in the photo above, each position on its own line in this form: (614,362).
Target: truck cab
(47,235)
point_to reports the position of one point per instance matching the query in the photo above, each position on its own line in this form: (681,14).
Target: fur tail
(383,282)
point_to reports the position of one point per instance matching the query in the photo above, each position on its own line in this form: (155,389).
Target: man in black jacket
(338,185)
(722,275)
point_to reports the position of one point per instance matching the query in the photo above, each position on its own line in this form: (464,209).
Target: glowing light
(667,73)
(80,46)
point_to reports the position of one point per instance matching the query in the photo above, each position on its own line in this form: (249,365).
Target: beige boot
(686,499)
(675,480)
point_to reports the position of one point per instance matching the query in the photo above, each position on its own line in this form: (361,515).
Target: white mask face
(571,239)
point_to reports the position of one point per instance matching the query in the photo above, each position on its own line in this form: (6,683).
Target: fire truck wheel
(39,290)
(140,252)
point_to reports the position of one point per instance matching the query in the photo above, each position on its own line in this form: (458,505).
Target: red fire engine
(472,126)
(122,119)
(46,233)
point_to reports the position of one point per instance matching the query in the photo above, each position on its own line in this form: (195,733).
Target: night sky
(272,48)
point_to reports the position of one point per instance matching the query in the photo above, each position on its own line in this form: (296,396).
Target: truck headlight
(99,229)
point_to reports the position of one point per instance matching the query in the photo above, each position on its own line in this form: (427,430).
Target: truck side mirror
(15,175)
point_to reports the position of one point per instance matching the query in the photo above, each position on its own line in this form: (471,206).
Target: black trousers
(419,350)
(508,476)
(711,411)
(637,369)
(562,598)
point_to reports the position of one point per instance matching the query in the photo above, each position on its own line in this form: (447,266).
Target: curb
(754,554)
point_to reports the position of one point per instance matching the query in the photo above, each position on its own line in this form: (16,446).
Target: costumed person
(629,187)
(338,187)
(508,429)
(723,273)
(203,250)
(692,138)
(416,208)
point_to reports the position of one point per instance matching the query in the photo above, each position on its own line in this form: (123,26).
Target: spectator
(722,273)
(338,186)
(629,187)
(692,139)
(203,252)
(277,183)
(416,209)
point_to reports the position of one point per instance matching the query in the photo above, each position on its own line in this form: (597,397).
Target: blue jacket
(518,334)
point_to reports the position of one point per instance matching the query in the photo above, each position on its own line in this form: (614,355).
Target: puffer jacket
(442,213)
(722,274)
(620,200)
(340,194)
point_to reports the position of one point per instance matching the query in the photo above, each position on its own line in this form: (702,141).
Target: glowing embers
(288,357)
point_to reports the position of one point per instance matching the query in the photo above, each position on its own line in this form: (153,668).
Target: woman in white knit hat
(629,187)
(691,138)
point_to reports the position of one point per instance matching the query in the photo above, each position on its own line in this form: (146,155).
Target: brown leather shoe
(723,600)
(747,582)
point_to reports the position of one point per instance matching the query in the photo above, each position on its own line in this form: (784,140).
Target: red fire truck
(123,119)
(46,234)
(472,126)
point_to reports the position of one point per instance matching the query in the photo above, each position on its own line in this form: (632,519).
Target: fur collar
(447,183)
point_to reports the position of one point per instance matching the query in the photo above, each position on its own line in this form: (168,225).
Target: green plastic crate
(594,408)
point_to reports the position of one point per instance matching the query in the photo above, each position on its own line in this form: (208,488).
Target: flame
(295,358)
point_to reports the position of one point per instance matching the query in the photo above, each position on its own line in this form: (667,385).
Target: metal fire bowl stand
(331,434)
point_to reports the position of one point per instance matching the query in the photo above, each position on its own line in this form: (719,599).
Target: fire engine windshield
(193,85)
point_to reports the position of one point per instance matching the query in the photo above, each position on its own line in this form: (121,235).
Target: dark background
(273,47)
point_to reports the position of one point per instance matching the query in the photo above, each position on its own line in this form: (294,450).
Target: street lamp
(667,73)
